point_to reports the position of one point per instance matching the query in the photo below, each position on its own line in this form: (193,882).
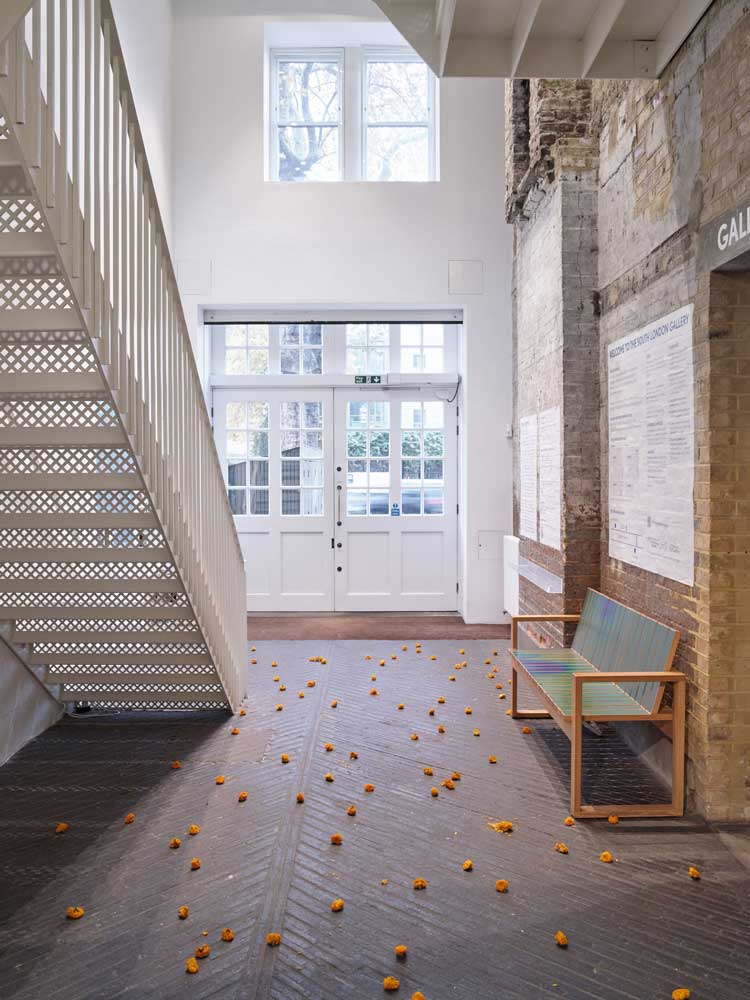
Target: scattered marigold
(487,662)
(227,934)
(353,755)
(427,771)
(285,758)
(561,940)
(418,996)
(393,656)
(614,820)
(391,984)
(681,994)
(334,703)
(74,912)
(300,694)
(448,784)
(351,811)
(492,759)
(328,747)
(456,776)
(694,873)
(561,848)
(329,777)
(274,663)
(61,827)
(253,660)
(242,797)
(441,700)
(501,885)
(273,940)
(414,736)
(191,966)
(502,826)
(279,708)
(433,657)
(400,950)
(451,678)
(461,652)
(337,905)
(175,765)
(508,711)
(174,843)
(282,687)
(431,711)
(441,729)
(400,706)
(373,691)
(195,864)
(404,648)
(203,951)
(368,657)
(468,865)
(301,797)
(193,829)
(569,821)
(420,883)
(369,787)
(311,684)
(606,857)
(219,779)
(373,677)
(526,730)
(501,697)
(243,712)
(476,732)
(384,881)
(381,662)
(130,818)
(337,839)
(276,679)
(498,687)
(468,710)
(252,649)
(182,912)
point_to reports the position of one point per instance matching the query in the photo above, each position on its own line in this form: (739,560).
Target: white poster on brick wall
(527,469)
(549,477)
(651,447)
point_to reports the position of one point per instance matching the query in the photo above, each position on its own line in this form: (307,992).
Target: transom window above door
(356,113)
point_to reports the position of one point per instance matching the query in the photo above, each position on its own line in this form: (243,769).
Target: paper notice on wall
(651,447)
(549,477)
(527,468)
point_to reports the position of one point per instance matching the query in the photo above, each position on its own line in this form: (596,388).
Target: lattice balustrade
(22,602)
(86,571)
(60,461)
(71,625)
(155,704)
(59,352)
(20,215)
(30,267)
(74,502)
(123,649)
(74,412)
(80,538)
(35,293)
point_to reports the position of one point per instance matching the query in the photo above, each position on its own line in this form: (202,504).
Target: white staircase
(121,577)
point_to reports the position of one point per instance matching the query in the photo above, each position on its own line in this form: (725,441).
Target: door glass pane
(368,449)
(257,415)
(235,415)
(290,444)
(289,472)
(379,443)
(379,500)
(356,502)
(422,466)
(313,414)
(433,443)
(237,501)
(312,444)
(289,361)
(236,444)
(312,503)
(312,473)
(356,415)
(235,336)
(302,467)
(258,502)
(290,502)
(410,501)
(312,360)
(290,415)
(250,444)
(433,501)
(257,444)
(236,474)
(257,473)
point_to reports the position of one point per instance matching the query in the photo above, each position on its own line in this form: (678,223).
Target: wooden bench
(615,671)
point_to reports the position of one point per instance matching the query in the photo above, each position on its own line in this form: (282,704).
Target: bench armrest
(630,676)
(515,619)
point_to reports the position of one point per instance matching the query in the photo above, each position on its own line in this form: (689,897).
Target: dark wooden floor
(368,626)
(637,929)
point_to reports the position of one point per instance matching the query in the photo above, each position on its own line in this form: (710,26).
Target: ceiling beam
(525,18)
(598,30)
(444,13)
(681,22)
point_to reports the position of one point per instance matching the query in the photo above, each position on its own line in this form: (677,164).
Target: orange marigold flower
(227,934)
(353,755)
(300,694)
(384,881)
(253,660)
(203,951)
(526,730)
(441,729)
(468,865)
(243,712)
(492,759)
(285,758)
(502,826)
(368,657)
(431,711)
(329,777)
(175,765)
(569,821)
(614,820)
(434,793)
(311,684)
(404,648)
(337,839)
(390,984)
(681,994)
(501,697)
(252,649)
(195,864)
(276,679)
(606,857)
(242,797)
(334,703)
(381,662)
(219,779)
(433,657)
(448,784)
(393,656)
(501,885)
(273,940)
(468,710)
(441,700)
(61,827)
(130,818)
(373,677)
(373,691)
(279,708)
(191,966)
(508,711)
(193,829)
(282,687)
(487,662)
(451,678)
(456,776)
(337,905)
(427,770)
(351,811)
(400,950)
(561,848)
(328,747)
(400,706)
(494,652)
(414,736)
(182,912)
(420,883)
(461,652)
(694,873)
(418,996)
(74,912)
(274,663)
(369,787)
(174,843)
(301,797)
(561,940)
(498,687)
(476,732)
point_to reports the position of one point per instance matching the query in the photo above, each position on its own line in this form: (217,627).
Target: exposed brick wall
(516,139)
(634,168)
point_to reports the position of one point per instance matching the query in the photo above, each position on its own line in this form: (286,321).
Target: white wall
(240,240)
(26,706)
(145,30)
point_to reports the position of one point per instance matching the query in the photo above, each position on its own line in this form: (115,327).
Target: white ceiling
(545,38)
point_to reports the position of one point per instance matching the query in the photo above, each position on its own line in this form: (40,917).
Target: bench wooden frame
(572,726)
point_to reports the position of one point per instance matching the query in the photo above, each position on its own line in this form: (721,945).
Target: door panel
(396,521)
(276,451)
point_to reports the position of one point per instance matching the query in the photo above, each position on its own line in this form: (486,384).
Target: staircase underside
(90,595)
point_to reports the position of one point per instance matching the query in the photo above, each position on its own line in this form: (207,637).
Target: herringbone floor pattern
(637,928)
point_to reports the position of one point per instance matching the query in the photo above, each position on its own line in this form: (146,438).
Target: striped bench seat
(616,670)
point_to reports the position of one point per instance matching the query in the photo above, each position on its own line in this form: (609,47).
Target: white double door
(344,499)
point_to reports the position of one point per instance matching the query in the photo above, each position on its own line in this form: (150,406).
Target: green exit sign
(368,379)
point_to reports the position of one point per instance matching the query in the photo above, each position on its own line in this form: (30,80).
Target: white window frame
(353,61)
(391,53)
(305,54)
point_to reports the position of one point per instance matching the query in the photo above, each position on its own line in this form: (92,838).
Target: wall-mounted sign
(395,510)
(651,447)
(368,379)
(724,238)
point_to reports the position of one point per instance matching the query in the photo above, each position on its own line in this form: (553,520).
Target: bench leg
(576,753)
(515,711)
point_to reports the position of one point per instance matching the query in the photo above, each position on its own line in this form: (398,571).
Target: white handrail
(76,122)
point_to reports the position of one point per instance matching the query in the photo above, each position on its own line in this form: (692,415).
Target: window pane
(411,502)
(397,91)
(290,444)
(357,472)
(379,443)
(257,415)
(289,361)
(308,153)
(380,414)
(433,468)
(432,334)
(312,444)
(289,335)
(312,473)
(258,501)
(257,473)
(236,474)
(290,502)
(257,362)
(313,360)
(380,472)
(433,414)
(237,501)
(235,361)
(378,334)
(290,415)
(356,335)
(379,500)
(289,472)
(235,336)
(357,414)
(235,415)
(433,443)
(236,444)
(411,334)
(356,444)
(356,502)
(411,359)
(395,153)
(313,414)
(410,443)
(377,362)
(432,359)
(356,361)
(257,444)
(312,333)
(257,335)
(312,502)
(433,501)
(411,414)
(411,470)
(308,91)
